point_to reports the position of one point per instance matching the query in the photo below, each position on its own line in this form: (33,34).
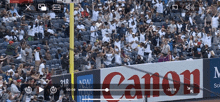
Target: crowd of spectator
(34,46)
(126,32)
(108,33)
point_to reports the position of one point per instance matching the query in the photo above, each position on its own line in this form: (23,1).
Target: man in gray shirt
(166,48)
(29,56)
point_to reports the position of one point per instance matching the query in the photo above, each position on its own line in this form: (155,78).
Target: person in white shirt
(118,44)
(162,31)
(154,1)
(5,19)
(14,30)
(118,59)
(142,37)
(106,38)
(94,35)
(80,27)
(52,15)
(11,18)
(40,30)
(134,41)
(208,40)
(122,2)
(31,31)
(95,13)
(109,57)
(42,68)
(179,27)
(21,33)
(112,25)
(141,49)
(37,58)
(147,47)
(133,26)
(105,30)
(128,35)
(159,6)
(215,22)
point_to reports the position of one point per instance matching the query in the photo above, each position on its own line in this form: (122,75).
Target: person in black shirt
(139,60)
(93,58)
(166,24)
(197,51)
(156,51)
(205,51)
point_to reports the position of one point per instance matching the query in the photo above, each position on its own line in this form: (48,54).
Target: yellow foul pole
(71,62)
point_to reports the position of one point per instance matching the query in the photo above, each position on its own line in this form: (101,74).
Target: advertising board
(159,76)
(87,80)
(212,77)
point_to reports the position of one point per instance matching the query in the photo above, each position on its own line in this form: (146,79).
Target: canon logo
(156,81)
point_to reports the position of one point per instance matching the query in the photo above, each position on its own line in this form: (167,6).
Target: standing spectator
(94,34)
(166,48)
(29,56)
(65,63)
(31,31)
(10,51)
(159,6)
(37,58)
(42,68)
(23,55)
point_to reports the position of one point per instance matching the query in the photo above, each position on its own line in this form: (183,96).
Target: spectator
(65,62)
(59,54)
(13,10)
(29,56)
(48,55)
(23,55)
(37,58)
(139,60)
(166,48)
(42,68)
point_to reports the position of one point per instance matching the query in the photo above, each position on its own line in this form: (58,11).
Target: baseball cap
(38,48)
(11,42)
(19,80)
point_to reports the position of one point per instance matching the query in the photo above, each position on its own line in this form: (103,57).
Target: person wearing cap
(197,51)
(37,58)
(10,50)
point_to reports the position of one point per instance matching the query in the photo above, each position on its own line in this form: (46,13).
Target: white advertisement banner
(164,81)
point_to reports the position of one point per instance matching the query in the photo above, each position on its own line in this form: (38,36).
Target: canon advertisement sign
(168,81)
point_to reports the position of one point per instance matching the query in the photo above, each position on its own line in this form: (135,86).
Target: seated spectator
(6,19)
(139,60)
(13,10)
(59,54)
(48,55)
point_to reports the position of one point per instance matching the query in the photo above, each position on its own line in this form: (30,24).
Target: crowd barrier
(169,81)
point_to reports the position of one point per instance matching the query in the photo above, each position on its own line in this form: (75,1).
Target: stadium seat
(6,68)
